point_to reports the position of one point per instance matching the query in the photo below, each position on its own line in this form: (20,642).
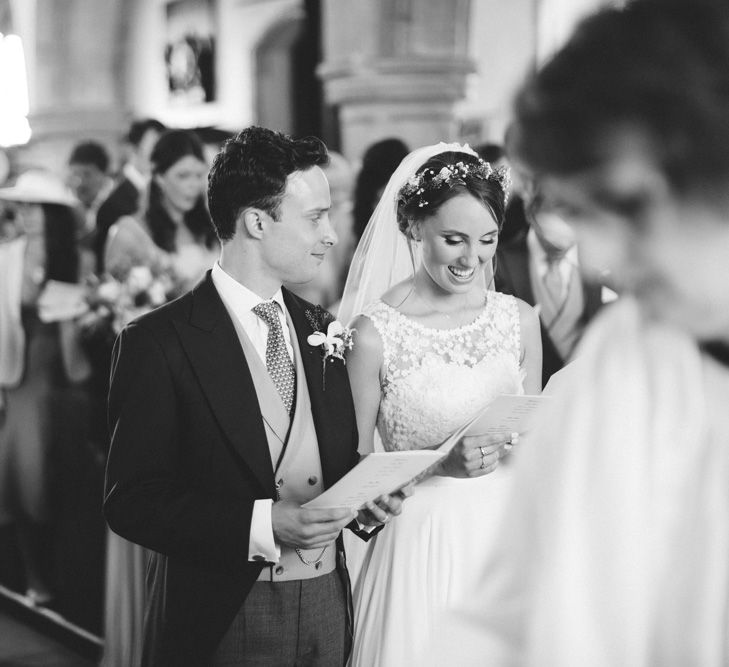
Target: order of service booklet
(383,472)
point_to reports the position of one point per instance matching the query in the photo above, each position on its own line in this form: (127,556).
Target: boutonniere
(334,342)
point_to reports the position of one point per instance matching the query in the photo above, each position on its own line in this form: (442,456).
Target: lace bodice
(434,380)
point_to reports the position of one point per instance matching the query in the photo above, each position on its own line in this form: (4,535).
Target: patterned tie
(553,282)
(278,362)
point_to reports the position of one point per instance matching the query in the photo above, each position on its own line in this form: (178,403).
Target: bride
(434,345)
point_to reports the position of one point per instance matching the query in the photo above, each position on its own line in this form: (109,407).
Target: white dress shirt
(240,301)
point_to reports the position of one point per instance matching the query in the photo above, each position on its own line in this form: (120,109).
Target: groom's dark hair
(251,171)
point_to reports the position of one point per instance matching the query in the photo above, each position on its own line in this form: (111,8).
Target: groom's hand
(296,526)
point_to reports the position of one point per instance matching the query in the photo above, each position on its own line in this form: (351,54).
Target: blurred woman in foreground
(619,554)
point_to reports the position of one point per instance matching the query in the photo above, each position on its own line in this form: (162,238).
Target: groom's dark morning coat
(189,457)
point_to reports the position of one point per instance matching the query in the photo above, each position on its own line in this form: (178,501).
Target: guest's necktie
(278,362)
(553,280)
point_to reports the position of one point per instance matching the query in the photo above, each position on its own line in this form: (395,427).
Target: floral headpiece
(429,180)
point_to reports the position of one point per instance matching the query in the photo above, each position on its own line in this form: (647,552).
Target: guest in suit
(224,423)
(540,265)
(124,199)
(88,178)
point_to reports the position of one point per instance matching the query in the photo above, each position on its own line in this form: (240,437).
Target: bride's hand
(473,456)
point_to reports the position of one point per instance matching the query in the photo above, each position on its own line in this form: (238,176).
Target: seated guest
(125,197)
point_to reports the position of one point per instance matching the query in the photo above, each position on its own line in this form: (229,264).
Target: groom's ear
(253,220)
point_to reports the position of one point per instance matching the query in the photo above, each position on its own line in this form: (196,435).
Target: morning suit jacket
(189,457)
(123,200)
(513,277)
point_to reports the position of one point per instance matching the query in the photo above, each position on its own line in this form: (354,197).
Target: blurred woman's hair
(378,164)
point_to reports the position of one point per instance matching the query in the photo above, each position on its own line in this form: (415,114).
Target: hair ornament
(418,185)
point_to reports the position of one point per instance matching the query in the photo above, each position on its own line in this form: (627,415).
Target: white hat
(36,186)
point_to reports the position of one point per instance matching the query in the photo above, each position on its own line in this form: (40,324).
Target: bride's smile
(457,241)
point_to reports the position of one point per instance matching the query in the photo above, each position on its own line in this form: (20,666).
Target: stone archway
(288,92)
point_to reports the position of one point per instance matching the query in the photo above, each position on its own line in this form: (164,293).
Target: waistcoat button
(313,480)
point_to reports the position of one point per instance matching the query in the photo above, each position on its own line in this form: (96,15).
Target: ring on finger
(483,453)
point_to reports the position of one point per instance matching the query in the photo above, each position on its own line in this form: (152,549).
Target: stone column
(395,68)
(75,77)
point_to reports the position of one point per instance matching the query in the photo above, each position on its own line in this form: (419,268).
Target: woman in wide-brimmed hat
(37,244)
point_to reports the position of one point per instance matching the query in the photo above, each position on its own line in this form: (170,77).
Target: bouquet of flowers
(113,303)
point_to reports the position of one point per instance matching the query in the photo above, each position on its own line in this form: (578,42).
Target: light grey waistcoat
(299,476)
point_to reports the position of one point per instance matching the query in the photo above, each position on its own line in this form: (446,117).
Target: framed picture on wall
(190,52)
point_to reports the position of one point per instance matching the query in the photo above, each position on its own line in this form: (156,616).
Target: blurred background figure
(540,265)
(378,163)
(125,198)
(492,153)
(172,233)
(38,361)
(89,179)
(326,288)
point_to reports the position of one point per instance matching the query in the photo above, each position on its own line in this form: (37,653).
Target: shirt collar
(539,254)
(239,297)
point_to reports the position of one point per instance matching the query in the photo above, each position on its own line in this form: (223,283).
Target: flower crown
(429,180)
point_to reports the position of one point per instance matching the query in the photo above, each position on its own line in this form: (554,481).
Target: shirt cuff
(261,545)
(362,527)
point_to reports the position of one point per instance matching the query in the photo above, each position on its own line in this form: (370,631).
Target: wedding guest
(173,231)
(126,196)
(174,234)
(223,425)
(37,359)
(434,347)
(89,179)
(615,548)
(541,266)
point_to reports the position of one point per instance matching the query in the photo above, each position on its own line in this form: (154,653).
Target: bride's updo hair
(445,176)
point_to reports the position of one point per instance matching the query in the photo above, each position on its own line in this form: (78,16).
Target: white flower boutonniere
(333,343)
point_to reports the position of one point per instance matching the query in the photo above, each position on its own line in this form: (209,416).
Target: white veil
(383,258)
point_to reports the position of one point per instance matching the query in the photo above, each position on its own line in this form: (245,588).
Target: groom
(225,420)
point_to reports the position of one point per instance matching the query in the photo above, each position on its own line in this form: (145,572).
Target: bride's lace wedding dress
(425,560)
